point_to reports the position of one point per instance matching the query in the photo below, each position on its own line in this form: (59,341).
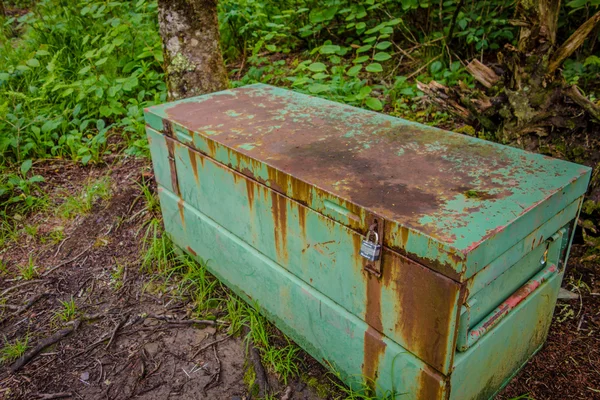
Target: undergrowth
(73,75)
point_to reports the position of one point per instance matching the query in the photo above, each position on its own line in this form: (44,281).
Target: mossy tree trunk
(190,35)
(525,96)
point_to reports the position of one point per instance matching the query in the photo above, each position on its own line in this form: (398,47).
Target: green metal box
(277,191)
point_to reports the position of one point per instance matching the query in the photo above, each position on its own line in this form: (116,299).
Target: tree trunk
(2,9)
(190,36)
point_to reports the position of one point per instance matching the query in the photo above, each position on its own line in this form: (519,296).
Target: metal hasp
(280,191)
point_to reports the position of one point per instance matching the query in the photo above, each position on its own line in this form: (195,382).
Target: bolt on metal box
(421,261)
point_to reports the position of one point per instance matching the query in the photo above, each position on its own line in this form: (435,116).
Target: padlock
(371,250)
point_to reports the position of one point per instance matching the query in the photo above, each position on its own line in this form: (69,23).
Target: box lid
(450,201)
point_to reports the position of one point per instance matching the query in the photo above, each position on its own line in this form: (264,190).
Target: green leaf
(353,71)
(321,15)
(36,179)
(383,45)
(364,48)
(364,92)
(374,67)
(318,88)
(100,124)
(320,75)
(130,83)
(435,67)
(317,67)
(361,25)
(26,166)
(86,159)
(374,104)
(101,61)
(381,56)
(329,49)
(84,70)
(33,63)
(361,59)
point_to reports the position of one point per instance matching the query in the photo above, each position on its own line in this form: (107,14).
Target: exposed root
(30,302)
(49,341)
(201,349)
(69,261)
(259,370)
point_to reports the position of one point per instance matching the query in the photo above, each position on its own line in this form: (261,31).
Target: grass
(82,202)
(210,298)
(68,311)
(117,275)
(14,350)
(29,271)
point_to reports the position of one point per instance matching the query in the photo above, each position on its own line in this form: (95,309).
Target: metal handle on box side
(493,318)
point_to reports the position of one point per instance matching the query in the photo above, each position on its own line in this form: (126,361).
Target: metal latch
(371,250)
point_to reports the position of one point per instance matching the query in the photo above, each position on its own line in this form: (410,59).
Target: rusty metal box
(278,191)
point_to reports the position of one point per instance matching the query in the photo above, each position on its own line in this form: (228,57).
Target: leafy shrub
(80,72)
(73,73)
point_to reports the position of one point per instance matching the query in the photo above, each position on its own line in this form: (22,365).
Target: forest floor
(75,278)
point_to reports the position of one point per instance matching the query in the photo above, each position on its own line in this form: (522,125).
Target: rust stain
(373,309)
(374,347)
(192,251)
(424,324)
(181,206)
(373,341)
(279,208)
(302,219)
(250,193)
(210,144)
(192,155)
(431,385)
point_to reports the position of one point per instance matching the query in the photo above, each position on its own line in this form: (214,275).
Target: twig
(46,273)
(31,301)
(49,396)
(186,321)
(214,380)
(423,67)
(201,349)
(49,341)
(61,245)
(20,285)
(114,332)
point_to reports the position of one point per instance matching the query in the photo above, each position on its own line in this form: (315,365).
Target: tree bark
(192,54)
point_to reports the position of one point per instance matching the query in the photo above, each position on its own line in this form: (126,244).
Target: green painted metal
(454,202)
(327,331)
(321,252)
(276,190)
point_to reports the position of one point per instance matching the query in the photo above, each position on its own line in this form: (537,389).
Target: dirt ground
(129,342)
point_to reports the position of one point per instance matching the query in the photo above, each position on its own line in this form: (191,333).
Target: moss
(323,389)
(250,381)
(467,130)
